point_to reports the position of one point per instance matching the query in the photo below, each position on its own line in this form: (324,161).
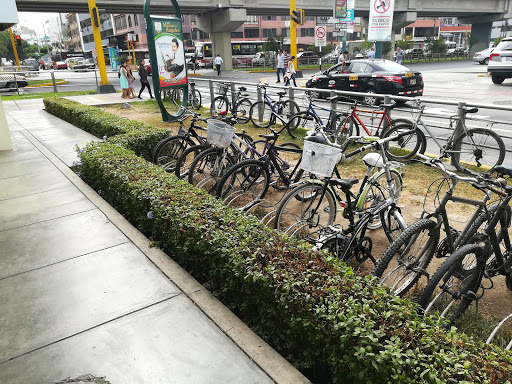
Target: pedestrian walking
(280,65)
(399,55)
(123,77)
(143,74)
(286,58)
(371,54)
(290,72)
(218,62)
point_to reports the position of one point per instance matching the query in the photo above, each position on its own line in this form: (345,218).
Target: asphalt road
(456,81)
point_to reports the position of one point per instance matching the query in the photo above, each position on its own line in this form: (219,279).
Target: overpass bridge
(221,17)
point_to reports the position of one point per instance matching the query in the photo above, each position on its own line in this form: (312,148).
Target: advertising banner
(172,70)
(340,8)
(381,20)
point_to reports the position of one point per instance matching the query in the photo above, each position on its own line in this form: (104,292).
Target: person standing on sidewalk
(123,78)
(291,73)
(143,74)
(218,62)
(280,65)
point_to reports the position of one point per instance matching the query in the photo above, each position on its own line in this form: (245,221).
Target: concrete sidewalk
(82,293)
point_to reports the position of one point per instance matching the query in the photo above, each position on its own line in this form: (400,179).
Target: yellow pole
(134,59)
(97,42)
(14,49)
(293,34)
(128,49)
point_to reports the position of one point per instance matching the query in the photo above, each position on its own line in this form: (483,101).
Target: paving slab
(33,184)
(17,154)
(41,244)
(45,305)
(42,206)
(25,167)
(171,342)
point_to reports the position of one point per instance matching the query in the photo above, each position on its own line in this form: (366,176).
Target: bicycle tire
(185,160)
(168,151)
(266,114)
(344,129)
(176,96)
(218,105)
(293,215)
(244,184)
(303,120)
(413,267)
(458,279)
(196,101)
(406,147)
(242,111)
(393,223)
(488,144)
(208,167)
(286,109)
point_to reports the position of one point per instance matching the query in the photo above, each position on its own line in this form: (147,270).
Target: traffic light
(298,16)
(18,40)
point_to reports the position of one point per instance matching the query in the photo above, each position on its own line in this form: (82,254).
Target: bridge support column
(482,31)
(220,23)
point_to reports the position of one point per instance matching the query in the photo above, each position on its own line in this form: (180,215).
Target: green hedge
(308,306)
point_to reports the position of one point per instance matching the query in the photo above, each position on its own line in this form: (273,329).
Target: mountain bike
(458,281)
(472,150)
(407,258)
(309,210)
(240,109)
(267,112)
(194,96)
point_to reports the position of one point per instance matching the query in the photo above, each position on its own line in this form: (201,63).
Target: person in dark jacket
(143,74)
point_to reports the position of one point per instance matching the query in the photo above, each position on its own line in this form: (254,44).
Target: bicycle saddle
(471,110)
(270,136)
(281,93)
(344,184)
(504,169)
(242,89)
(192,84)
(373,160)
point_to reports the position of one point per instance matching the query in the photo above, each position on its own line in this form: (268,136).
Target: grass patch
(46,95)
(46,81)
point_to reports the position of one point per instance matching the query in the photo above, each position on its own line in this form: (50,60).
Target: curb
(271,362)
(484,75)
(47,84)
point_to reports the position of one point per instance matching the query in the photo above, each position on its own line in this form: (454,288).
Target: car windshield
(390,66)
(504,46)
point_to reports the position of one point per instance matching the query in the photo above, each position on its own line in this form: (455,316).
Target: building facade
(75,37)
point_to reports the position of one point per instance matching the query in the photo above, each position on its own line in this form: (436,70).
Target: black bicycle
(241,107)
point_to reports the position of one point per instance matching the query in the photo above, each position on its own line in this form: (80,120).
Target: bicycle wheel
(302,120)
(286,109)
(177,96)
(455,284)
(480,151)
(208,167)
(185,160)
(344,129)
(405,147)
(266,114)
(305,210)
(218,105)
(393,222)
(195,101)
(244,184)
(407,258)
(168,151)
(242,111)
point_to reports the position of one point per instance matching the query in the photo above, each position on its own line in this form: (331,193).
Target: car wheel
(371,100)
(11,85)
(486,61)
(497,79)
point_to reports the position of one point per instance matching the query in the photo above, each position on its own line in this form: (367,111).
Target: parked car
(370,76)
(482,57)
(459,51)
(31,64)
(72,61)
(60,65)
(307,57)
(500,61)
(82,65)
(8,81)
(415,52)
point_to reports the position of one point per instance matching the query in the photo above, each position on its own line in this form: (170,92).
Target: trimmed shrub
(307,305)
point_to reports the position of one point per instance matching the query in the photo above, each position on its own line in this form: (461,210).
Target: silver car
(482,57)
(500,61)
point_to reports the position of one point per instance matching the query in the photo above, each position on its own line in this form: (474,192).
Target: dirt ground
(496,304)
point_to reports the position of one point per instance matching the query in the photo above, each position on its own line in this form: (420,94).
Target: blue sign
(349,16)
(114,57)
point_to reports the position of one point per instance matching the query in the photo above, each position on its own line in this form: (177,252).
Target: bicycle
(469,147)
(168,151)
(309,210)
(240,109)
(407,258)
(265,113)
(458,281)
(194,96)
(345,124)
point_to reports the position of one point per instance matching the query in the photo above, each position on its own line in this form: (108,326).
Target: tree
(405,44)
(366,45)
(272,44)
(497,40)
(386,47)
(435,45)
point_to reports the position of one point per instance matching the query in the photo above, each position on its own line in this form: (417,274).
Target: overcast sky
(35,20)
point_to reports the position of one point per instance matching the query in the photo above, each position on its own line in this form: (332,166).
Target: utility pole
(293,33)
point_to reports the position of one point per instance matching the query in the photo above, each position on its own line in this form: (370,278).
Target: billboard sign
(381,20)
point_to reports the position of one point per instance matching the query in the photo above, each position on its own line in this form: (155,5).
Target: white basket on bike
(219,133)
(319,159)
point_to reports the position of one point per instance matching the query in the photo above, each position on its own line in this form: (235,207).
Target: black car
(370,76)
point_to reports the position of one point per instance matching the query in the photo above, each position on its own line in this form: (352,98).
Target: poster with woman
(170,55)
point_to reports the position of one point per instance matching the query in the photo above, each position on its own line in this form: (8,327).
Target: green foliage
(497,40)
(405,44)
(435,45)
(307,305)
(386,47)
(366,45)
(272,44)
